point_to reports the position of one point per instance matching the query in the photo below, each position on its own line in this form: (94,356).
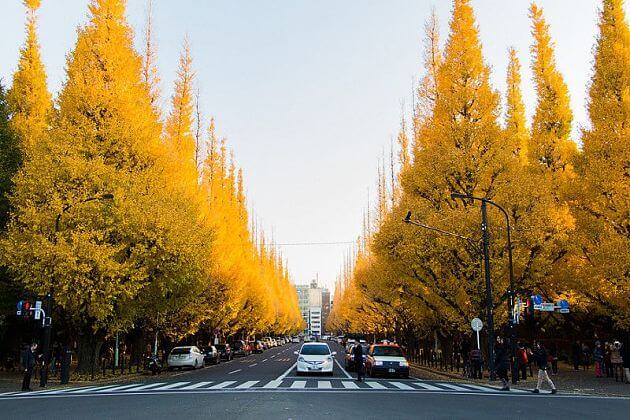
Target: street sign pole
(489,300)
(477,325)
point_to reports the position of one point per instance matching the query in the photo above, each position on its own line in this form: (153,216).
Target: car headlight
(404,363)
(329,359)
(301,359)
(378,363)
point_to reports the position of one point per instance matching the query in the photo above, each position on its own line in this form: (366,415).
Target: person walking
(576,351)
(502,363)
(617,361)
(28,363)
(598,357)
(521,356)
(540,357)
(476,360)
(357,352)
(586,356)
(608,367)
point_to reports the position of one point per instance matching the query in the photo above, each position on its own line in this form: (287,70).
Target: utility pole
(489,304)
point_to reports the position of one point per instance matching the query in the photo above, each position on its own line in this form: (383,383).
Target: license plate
(314,368)
(392,370)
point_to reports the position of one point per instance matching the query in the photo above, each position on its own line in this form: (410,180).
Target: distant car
(386,359)
(211,356)
(349,358)
(256,346)
(185,356)
(241,348)
(295,339)
(315,358)
(225,350)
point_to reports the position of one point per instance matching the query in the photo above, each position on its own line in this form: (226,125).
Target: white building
(310,302)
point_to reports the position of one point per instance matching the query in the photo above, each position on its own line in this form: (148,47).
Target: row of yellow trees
(569,208)
(174,244)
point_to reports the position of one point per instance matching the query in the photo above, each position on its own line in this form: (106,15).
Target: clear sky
(309,93)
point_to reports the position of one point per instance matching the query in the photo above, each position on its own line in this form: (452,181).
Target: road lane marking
(234,371)
(324,385)
(349,385)
(279,378)
(89,389)
(197,385)
(117,388)
(253,364)
(222,385)
(400,385)
(375,385)
(264,360)
(147,386)
(170,386)
(273,356)
(246,385)
(298,384)
(273,384)
(343,370)
(481,388)
(428,387)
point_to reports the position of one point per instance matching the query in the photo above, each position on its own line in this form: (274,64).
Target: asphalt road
(264,386)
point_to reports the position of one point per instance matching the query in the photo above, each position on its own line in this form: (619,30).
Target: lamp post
(49,296)
(484,254)
(510,294)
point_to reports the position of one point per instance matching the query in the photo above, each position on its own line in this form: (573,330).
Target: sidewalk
(567,381)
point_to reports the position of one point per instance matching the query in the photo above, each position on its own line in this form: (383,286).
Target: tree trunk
(89,348)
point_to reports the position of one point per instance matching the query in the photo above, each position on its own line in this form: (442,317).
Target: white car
(185,356)
(295,339)
(315,358)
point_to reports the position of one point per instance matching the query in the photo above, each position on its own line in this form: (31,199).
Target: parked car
(295,339)
(315,358)
(211,356)
(225,350)
(241,348)
(256,346)
(387,359)
(268,341)
(349,358)
(185,356)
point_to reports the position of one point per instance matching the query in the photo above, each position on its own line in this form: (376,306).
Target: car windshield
(321,349)
(181,350)
(387,351)
(206,349)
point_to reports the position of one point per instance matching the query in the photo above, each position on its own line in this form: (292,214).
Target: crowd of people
(611,359)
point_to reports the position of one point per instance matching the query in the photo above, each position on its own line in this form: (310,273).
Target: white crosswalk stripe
(324,385)
(146,386)
(428,387)
(197,385)
(273,384)
(376,385)
(117,388)
(246,385)
(349,385)
(171,386)
(480,388)
(222,385)
(298,384)
(400,385)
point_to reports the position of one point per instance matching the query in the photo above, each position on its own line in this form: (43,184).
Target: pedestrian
(521,356)
(598,357)
(476,360)
(608,368)
(502,363)
(540,356)
(357,353)
(586,356)
(617,361)
(465,352)
(28,363)
(576,352)
(625,357)
(553,357)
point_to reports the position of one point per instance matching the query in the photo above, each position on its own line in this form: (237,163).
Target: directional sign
(547,307)
(476,324)
(563,305)
(537,300)
(19,307)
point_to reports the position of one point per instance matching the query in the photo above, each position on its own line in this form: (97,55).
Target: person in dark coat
(502,363)
(576,353)
(540,357)
(357,352)
(28,363)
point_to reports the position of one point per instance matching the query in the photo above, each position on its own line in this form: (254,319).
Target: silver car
(185,356)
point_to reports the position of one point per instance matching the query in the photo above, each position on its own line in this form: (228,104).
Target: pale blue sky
(309,92)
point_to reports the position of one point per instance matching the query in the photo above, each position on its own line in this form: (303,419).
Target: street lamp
(484,228)
(49,296)
(483,254)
